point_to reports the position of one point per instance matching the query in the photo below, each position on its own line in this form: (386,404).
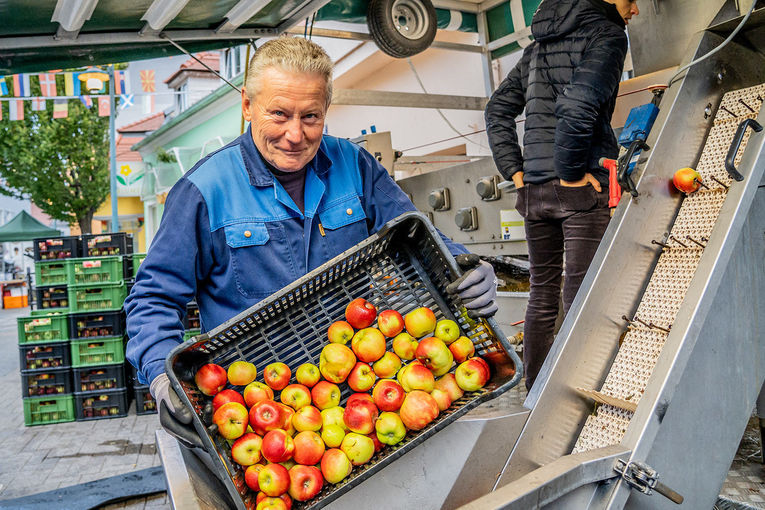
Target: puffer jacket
(567,81)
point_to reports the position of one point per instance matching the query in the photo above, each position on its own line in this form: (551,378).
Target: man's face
(627,9)
(287,117)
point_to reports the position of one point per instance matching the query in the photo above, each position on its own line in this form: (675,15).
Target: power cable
(216,73)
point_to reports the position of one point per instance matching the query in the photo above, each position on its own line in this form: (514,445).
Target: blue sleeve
(167,280)
(384,199)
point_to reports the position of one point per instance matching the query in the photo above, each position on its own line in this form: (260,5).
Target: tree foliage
(62,165)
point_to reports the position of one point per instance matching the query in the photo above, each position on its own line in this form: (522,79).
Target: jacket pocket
(344,224)
(576,199)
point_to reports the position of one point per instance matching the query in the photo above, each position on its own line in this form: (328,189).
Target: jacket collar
(256,166)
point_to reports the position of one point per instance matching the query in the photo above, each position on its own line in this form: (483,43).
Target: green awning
(24,227)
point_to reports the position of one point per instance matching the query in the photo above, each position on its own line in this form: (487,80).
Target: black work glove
(174,417)
(477,287)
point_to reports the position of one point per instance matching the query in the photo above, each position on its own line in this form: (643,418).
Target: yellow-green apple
(256,392)
(231,419)
(388,395)
(289,464)
(339,332)
(277,446)
(360,313)
(307,374)
(296,396)
(251,476)
(368,345)
(358,447)
(390,429)
(332,435)
(269,503)
(335,466)
(404,345)
(472,375)
(210,379)
(360,416)
(365,397)
(241,373)
(420,322)
(305,481)
(307,418)
(246,450)
(448,383)
(277,375)
(462,349)
(447,331)
(442,399)
(274,480)
(265,416)
(390,323)
(325,395)
(362,377)
(415,376)
(435,355)
(378,445)
(336,362)
(418,409)
(226,396)
(687,180)
(387,366)
(309,448)
(333,416)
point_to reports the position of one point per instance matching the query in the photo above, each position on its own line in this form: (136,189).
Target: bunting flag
(87,101)
(126,101)
(47,84)
(120,83)
(103,107)
(147,80)
(1,111)
(148,105)
(38,104)
(3,86)
(16,109)
(60,108)
(20,85)
(72,84)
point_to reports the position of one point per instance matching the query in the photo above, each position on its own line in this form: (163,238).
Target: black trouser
(558,219)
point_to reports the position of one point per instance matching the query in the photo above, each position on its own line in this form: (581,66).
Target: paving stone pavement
(47,457)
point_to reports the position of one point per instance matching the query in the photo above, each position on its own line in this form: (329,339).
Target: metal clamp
(730,159)
(623,172)
(644,478)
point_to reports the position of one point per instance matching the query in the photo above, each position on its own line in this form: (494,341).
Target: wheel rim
(410,18)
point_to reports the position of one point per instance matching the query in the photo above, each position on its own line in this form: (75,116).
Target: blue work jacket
(231,235)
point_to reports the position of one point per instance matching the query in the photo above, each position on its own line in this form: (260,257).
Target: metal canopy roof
(39,35)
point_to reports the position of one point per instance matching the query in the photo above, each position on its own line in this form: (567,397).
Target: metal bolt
(707,111)
(678,242)
(659,243)
(652,326)
(695,241)
(747,106)
(725,109)
(700,183)
(704,239)
(719,182)
(625,318)
(641,321)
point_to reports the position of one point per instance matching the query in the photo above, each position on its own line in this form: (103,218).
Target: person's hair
(292,54)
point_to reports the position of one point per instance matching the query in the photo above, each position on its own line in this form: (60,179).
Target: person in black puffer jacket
(567,81)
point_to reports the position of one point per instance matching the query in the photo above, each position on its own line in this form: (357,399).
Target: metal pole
(113,152)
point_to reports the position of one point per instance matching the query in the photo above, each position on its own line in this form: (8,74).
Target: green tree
(62,165)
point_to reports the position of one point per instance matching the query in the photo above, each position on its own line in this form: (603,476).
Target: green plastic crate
(102,296)
(54,272)
(97,270)
(88,352)
(43,328)
(137,259)
(191,333)
(46,410)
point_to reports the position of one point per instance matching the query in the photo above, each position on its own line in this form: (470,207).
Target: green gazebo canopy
(24,227)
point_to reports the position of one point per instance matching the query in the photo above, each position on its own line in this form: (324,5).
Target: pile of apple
(291,447)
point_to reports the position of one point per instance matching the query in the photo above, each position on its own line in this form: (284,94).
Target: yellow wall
(126,206)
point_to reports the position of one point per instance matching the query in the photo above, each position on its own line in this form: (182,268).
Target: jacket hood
(557,18)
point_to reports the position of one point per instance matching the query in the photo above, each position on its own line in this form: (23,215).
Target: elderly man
(263,211)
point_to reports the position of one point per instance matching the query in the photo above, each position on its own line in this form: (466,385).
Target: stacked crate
(52,260)
(191,324)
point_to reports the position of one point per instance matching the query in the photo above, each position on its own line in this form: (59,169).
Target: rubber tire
(388,39)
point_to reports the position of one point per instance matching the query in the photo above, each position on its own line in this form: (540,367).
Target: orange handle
(614,190)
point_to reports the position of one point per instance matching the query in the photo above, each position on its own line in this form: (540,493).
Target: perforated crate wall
(38,329)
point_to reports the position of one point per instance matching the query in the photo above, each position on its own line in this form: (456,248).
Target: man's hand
(174,417)
(584,181)
(477,287)
(518,179)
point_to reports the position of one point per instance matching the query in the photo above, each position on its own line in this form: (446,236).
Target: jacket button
(247,233)
(349,211)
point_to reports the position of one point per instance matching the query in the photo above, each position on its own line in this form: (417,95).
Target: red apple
(448,383)
(360,313)
(274,480)
(361,378)
(226,396)
(462,349)
(418,409)
(231,419)
(358,447)
(404,345)
(472,375)
(256,392)
(307,418)
(325,395)
(435,355)
(378,445)
(447,331)
(210,379)
(285,415)
(277,375)
(269,503)
(390,429)
(390,323)
(335,466)
(363,397)
(336,362)
(265,416)
(687,180)
(387,366)
(251,476)
(296,396)
(241,373)
(246,450)
(420,322)
(442,399)
(309,448)
(388,395)
(368,345)
(360,416)
(339,332)
(307,374)
(278,446)
(305,482)
(415,376)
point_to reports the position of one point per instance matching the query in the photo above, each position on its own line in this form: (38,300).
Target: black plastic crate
(54,382)
(109,243)
(98,405)
(403,266)
(104,377)
(191,319)
(144,402)
(51,248)
(97,324)
(54,298)
(44,355)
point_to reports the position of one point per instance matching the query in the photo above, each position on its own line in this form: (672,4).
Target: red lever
(614,190)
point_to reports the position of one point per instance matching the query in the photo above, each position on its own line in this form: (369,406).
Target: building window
(182,97)
(232,62)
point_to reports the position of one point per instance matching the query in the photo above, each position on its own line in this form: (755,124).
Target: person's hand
(584,181)
(477,287)
(174,417)
(518,179)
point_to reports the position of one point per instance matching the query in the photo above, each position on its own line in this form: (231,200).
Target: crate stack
(191,324)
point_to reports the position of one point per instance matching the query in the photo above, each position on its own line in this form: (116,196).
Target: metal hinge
(644,478)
